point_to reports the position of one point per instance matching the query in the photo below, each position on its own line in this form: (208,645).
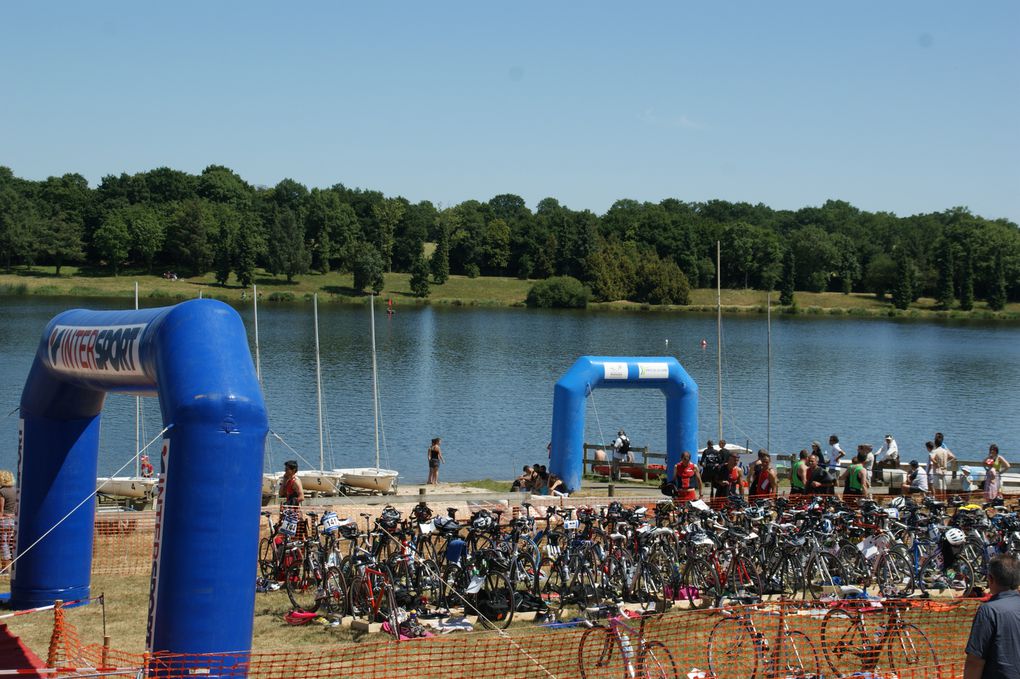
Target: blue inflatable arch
(591,372)
(195,357)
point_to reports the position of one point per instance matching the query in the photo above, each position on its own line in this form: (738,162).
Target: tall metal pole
(255,305)
(718,329)
(318,377)
(138,414)
(768,382)
(375,383)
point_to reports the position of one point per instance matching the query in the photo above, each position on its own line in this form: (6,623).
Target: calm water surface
(483,380)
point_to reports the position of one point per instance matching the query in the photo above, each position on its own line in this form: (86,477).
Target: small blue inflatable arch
(591,372)
(195,357)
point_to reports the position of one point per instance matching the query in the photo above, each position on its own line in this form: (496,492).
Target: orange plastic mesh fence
(907,640)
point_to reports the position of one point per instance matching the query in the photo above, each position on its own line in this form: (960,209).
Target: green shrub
(281,297)
(563,292)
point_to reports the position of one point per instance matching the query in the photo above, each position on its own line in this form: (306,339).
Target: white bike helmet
(955,537)
(898,503)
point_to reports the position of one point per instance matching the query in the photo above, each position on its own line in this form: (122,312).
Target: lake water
(483,380)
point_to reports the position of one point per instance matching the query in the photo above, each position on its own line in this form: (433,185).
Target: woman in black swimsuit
(435,459)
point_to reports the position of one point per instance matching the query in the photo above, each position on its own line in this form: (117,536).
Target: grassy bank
(457,291)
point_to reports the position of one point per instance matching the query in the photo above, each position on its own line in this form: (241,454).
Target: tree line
(641,251)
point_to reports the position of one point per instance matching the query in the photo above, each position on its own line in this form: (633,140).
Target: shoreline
(461,291)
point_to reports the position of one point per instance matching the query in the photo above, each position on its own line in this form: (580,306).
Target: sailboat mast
(138,413)
(255,306)
(318,376)
(375,382)
(718,329)
(768,382)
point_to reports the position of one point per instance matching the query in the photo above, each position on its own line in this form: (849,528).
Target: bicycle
(737,650)
(850,647)
(622,649)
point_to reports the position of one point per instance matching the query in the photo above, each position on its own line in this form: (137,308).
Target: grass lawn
(458,290)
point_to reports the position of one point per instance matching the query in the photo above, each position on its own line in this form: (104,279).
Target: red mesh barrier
(907,640)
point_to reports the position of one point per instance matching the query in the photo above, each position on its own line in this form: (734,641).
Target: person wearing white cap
(887,457)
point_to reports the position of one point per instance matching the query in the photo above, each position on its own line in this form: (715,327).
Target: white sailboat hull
(319,481)
(134,487)
(369,478)
(270,483)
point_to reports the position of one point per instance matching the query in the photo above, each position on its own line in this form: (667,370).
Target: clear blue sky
(899,106)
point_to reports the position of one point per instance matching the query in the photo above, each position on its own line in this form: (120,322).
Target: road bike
(863,638)
(620,648)
(738,650)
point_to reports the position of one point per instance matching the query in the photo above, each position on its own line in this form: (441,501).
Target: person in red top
(732,481)
(765,480)
(686,479)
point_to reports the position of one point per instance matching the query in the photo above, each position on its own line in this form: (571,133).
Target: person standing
(856,476)
(292,494)
(993,649)
(435,456)
(8,510)
(819,479)
(799,474)
(711,464)
(835,453)
(995,465)
(732,477)
(765,481)
(939,458)
(869,459)
(621,453)
(686,479)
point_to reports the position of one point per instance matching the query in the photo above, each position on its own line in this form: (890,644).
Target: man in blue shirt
(993,650)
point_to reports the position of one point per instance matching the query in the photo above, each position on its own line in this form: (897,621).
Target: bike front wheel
(304,586)
(600,656)
(656,662)
(910,649)
(732,650)
(845,643)
(797,657)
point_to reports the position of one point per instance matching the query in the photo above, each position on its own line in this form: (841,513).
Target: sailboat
(131,488)
(319,480)
(371,478)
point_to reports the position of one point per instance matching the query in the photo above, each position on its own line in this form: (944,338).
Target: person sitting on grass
(556,487)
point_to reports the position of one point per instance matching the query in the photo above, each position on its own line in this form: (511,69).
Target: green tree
(288,254)
(845,264)
(420,277)
(16,219)
(563,292)
(387,215)
(662,282)
(439,262)
(223,254)
(997,300)
(786,286)
(906,275)
(944,297)
(249,245)
(367,266)
(967,280)
(187,240)
(60,240)
(612,271)
(146,234)
(880,275)
(494,248)
(110,241)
